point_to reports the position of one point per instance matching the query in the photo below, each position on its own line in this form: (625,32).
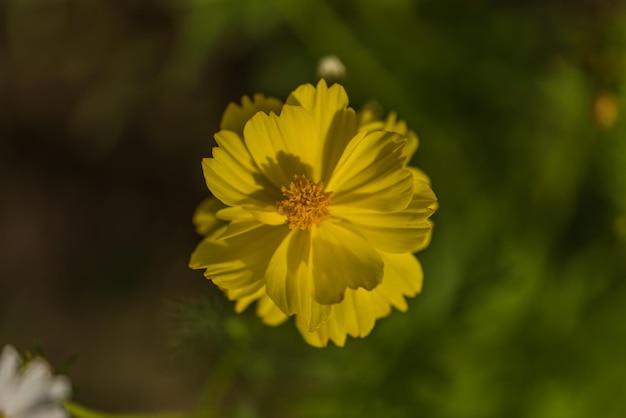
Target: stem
(79,411)
(220,380)
(207,407)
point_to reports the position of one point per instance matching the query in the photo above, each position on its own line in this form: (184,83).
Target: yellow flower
(316,213)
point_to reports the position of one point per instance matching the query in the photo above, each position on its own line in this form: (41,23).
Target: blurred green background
(107,107)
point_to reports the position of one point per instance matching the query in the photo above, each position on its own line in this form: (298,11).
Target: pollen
(306,203)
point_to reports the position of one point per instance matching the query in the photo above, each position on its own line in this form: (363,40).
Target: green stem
(215,389)
(79,411)
(220,380)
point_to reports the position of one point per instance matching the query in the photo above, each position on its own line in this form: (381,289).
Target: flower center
(306,203)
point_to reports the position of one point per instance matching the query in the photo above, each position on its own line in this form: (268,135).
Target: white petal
(60,389)
(31,387)
(9,362)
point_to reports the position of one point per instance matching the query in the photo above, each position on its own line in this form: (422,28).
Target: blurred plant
(195,323)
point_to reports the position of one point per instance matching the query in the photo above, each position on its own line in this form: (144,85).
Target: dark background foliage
(107,107)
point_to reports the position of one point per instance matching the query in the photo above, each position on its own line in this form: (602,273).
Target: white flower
(30,390)
(331,68)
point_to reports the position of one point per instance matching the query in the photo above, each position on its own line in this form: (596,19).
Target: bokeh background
(108,106)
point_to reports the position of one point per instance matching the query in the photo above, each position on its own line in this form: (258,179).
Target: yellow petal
(235,116)
(269,313)
(319,337)
(240,226)
(200,257)
(419,175)
(395,232)
(335,121)
(403,277)
(290,282)
(405,231)
(266,309)
(342,259)
(243,219)
(238,261)
(371,173)
(356,315)
(424,201)
(267,215)
(412,143)
(392,124)
(369,115)
(284,146)
(368,121)
(205,218)
(424,198)
(426,238)
(244,296)
(332,330)
(233,177)
(228,213)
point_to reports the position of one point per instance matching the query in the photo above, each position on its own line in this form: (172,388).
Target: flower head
(331,68)
(316,213)
(30,390)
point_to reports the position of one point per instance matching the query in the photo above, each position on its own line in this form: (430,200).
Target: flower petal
(341,259)
(371,174)
(405,231)
(392,124)
(244,219)
(290,281)
(240,226)
(356,315)
(268,311)
(412,143)
(335,121)
(244,297)
(200,258)
(319,337)
(235,116)
(205,219)
(424,198)
(419,174)
(369,121)
(9,363)
(267,216)
(395,232)
(403,277)
(239,261)
(233,177)
(31,387)
(60,388)
(286,145)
